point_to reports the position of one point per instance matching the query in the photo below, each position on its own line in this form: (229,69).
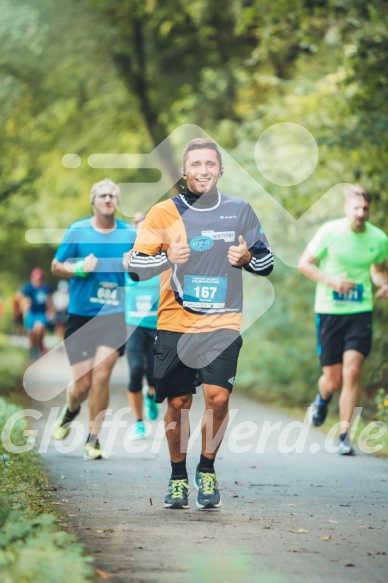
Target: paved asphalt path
(286,516)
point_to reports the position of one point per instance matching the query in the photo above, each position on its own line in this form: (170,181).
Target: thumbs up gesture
(239,255)
(178,252)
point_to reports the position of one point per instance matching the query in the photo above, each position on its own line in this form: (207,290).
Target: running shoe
(93,451)
(61,427)
(318,412)
(208,492)
(178,494)
(345,447)
(151,407)
(138,431)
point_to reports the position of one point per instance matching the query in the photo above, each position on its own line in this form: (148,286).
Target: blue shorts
(31,319)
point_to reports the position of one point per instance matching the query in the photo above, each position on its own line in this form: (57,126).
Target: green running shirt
(341,250)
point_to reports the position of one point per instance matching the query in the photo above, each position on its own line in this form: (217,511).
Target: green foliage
(31,546)
(31,549)
(12,361)
(22,480)
(278,360)
(381,402)
(107,76)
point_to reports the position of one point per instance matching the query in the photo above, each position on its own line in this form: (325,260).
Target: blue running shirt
(103,288)
(141,302)
(38,297)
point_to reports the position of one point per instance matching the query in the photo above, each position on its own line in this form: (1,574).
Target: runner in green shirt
(344,258)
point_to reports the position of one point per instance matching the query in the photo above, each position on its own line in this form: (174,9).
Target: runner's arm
(143,267)
(261,260)
(79,268)
(307,266)
(24,302)
(62,268)
(154,251)
(379,276)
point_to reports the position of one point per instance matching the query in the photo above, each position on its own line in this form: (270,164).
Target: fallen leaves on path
(103,574)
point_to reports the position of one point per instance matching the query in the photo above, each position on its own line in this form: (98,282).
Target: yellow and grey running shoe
(208,492)
(178,493)
(61,428)
(93,451)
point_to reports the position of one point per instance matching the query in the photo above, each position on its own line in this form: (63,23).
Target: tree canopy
(120,76)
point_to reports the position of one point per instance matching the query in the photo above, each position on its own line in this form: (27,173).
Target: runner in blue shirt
(91,256)
(141,308)
(36,301)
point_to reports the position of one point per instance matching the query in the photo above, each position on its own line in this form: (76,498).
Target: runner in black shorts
(344,258)
(215,355)
(198,242)
(91,256)
(338,333)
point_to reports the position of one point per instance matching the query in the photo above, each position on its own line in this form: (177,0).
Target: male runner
(344,258)
(91,256)
(198,241)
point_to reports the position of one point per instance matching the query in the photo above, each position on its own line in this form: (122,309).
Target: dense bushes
(32,549)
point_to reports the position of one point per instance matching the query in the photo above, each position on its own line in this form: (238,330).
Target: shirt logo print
(201,243)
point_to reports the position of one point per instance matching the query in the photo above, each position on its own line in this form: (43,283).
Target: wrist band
(79,269)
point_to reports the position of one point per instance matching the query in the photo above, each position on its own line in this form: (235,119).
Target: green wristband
(79,269)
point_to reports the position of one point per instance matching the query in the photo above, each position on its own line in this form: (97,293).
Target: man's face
(202,170)
(357,210)
(105,204)
(37,279)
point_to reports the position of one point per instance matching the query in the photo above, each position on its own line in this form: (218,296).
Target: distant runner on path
(35,299)
(344,258)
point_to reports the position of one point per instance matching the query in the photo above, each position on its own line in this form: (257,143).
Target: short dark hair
(358,190)
(201,144)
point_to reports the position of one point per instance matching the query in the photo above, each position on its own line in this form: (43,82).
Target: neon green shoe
(94,451)
(208,492)
(177,495)
(61,428)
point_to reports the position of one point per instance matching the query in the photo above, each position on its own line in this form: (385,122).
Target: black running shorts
(84,335)
(184,361)
(338,333)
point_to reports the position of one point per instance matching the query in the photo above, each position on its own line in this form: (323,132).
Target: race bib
(354,295)
(204,292)
(141,306)
(105,292)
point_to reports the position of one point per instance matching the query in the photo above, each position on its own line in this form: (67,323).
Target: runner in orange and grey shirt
(198,242)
